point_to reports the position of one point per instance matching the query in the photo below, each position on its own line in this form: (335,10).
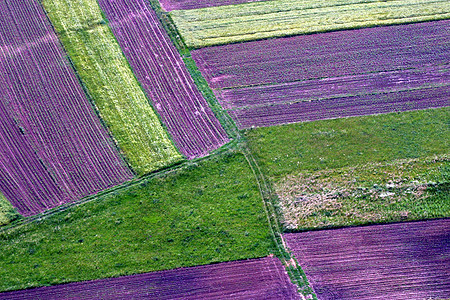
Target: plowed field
(395,261)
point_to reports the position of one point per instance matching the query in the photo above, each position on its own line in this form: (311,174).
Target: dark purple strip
(169,5)
(394,261)
(335,87)
(341,107)
(164,77)
(50,111)
(263,278)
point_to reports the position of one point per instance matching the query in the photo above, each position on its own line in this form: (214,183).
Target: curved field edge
(108,79)
(341,146)
(207,212)
(261,20)
(241,279)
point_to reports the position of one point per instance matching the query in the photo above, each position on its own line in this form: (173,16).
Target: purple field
(395,261)
(169,5)
(164,77)
(53,147)
(321,69)
(263,278)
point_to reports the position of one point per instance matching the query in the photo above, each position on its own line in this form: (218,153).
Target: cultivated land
(330,173)
(208,212)
(115,91)
(263,278)
(331,75)
(394,261)
(53,147)
(169,5)
(358,170)
(259,20)
(164,77)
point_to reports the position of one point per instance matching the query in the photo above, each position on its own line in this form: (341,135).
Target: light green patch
(258,20)
(105,73)
(7,211)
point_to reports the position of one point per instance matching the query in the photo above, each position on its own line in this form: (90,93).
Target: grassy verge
(7,211)
(108,79)
(259,20)
(327,168)
(210,211)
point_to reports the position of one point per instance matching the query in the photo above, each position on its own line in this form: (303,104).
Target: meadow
(360,170)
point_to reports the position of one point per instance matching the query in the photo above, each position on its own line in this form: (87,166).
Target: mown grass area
(208,212)
(109,80)
(337,158)
(7,211)
(259,20)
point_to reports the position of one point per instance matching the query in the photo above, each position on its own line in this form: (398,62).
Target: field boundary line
(292,267)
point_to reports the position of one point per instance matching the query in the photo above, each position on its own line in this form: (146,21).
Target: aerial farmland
(246,149)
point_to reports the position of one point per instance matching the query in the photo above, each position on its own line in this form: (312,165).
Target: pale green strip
(258,20)
(109,80)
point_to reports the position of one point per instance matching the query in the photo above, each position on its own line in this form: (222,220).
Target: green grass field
(323,171)
(210,211)
(259,20)
(105,73)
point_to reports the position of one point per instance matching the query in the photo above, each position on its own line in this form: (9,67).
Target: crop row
(330,75)
(164,77)
(259,20)
(395,261)
(108,78)
(262,278)
(169,5)
(342,107)
(53,147)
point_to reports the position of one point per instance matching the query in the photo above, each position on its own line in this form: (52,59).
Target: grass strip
(108,79)
(210,211)
(259,20)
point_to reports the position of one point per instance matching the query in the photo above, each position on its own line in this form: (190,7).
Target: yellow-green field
(112,85)
(259,20)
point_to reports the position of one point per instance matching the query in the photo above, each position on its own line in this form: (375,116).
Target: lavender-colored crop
(263,278)
(394,261)
(169,5)
(356,65)
(53,147)
(164,77)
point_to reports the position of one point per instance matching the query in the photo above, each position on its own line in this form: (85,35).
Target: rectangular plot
(341,107)
(263,278)
(306,78)
(164,77)
(259,20)
(108,78)
(395,261)
(54,147)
